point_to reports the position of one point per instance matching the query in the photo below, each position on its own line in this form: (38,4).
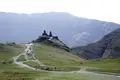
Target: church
(45,37)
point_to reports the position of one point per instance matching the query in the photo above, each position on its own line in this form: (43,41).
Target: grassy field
(26,74)
(73,76)
(61,58)
(104,65)
(52,68)
(21,58)
(56,57)
(32,64)
(8,50)
(57,42)
(14,72)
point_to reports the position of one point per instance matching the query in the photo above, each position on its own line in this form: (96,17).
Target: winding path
(29,56)
(20,63)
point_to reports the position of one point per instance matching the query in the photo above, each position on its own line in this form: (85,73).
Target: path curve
(29,50)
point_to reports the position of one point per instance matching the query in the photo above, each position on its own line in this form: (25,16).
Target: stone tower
(50,34)
(44,33)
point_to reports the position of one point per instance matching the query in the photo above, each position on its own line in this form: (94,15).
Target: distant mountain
(107,47)
(72,30)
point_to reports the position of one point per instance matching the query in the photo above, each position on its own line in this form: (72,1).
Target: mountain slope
(8,50)
(54,57)
(54,54)
(51,40)
(107,47)
(75,30)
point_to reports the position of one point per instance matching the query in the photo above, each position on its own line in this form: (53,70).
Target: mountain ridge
(107,47)
(51,40)
(29,26)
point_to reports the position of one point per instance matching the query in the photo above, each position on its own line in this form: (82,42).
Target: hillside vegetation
(55,57)
(103,65)
(107,47)
(8,50)
(48,55)
(51,60)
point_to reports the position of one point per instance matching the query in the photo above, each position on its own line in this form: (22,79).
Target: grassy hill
(107,47)
(8,50)
(48,55)
(103,65)
(55,57)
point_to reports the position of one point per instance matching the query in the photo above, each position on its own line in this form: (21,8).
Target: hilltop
(107,47)
(54,41)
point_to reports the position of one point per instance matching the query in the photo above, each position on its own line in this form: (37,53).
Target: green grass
(51,56)
(13,72)
(73,76)
(57,42)
(7,51)
(32,64)
(103,70)
(24,74)
(51,68)
(104,65)
(21,58)
(10,71)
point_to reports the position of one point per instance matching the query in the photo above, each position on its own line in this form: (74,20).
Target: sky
(106,10)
